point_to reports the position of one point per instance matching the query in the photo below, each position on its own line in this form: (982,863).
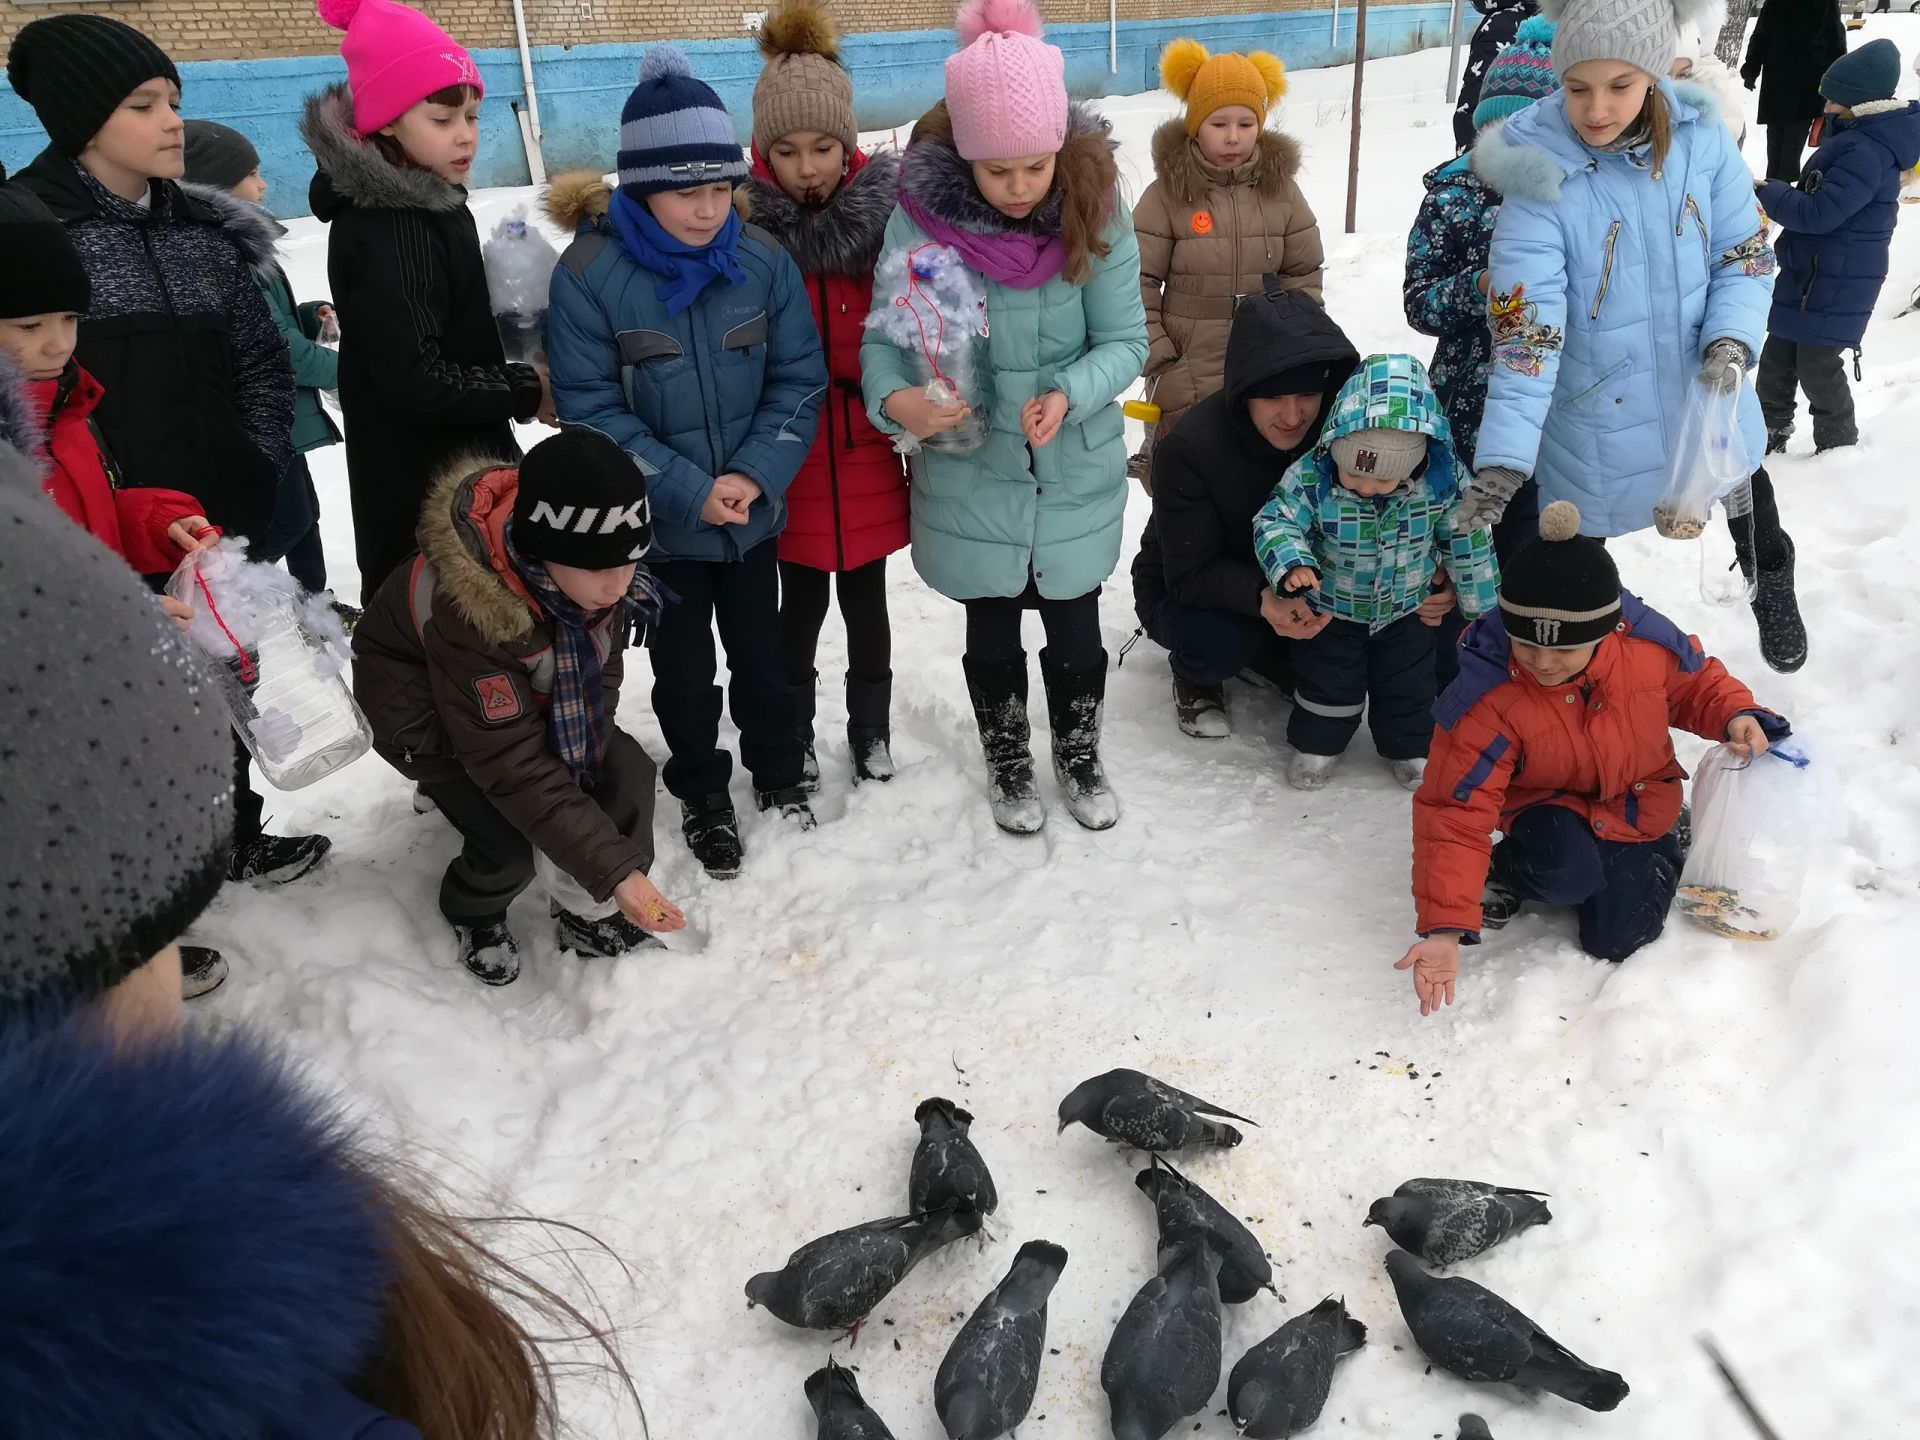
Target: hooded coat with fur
(989,522)
(423,376)
(1207,236)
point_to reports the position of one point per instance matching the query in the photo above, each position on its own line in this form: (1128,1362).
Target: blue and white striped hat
(674,132)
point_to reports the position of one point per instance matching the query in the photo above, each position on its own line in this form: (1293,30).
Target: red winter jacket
(1598,745)
(82,481)
(848,505)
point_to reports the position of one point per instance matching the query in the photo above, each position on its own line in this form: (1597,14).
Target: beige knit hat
(802,86)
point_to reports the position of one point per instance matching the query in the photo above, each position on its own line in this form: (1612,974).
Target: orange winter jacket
(1598,745)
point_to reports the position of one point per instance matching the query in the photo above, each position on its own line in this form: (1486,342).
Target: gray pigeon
(986,1382)
(946,1166)
(1164,1359)
(1472,1427)
(844,1415)
(1147,1114)
(1280,1385)
(834,1282)
(1467,1329)
(1184,1210)
(1447,1221)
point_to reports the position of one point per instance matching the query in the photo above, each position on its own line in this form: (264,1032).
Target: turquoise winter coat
(1608,282)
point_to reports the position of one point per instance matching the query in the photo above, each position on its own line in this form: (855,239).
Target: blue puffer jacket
(1839,225)
(732,383)
(1609,281)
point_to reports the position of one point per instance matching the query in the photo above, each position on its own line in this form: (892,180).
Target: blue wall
(896,75)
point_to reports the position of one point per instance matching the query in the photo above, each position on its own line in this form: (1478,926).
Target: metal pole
(1333,36)
(1113,36)
(1453,58)
(1359,73)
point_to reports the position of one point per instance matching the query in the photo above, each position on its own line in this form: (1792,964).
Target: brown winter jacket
(1207,236)
(453,665)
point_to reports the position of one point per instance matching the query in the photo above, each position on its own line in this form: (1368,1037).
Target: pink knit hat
(1007,89)
(396,57)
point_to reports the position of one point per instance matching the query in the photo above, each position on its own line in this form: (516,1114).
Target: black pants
(248,807)
(1344,671)
(1620,892)
(1517,524)
(1787,368)
(1760,537)
(1072,626)
(1210,647)
(497,861)
(1786,148)
(294,534)
(863,609)
(743,596)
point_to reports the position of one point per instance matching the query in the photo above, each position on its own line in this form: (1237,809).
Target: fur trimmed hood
(253,230)
(21,433)
(1177,163)
(352,172)
(185,1235)
(577,198)
(932,172)
(1531,153)
(462,533)
(841,237)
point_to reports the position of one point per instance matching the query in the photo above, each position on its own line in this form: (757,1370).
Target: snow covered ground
(1729,1133)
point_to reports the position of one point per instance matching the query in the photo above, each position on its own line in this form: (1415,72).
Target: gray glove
(1485,500)
(1726,362)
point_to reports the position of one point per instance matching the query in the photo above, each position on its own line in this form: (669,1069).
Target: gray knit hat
(1642,33)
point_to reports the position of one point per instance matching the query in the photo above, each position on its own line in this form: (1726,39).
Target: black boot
(1783,634)
(488,950)
(1201,710)
(803,704)
(276,859)
(202,971)
(713,834)
(999,694)
(604,938)
(869,730)
(1075,702)
(790,801)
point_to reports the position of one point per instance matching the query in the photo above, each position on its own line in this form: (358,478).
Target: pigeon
(844,1415)
(1281,1384)
(834,1282)
(947,1167)
(986,1382)
(1185,1210)
(1147,1114)
(1164,1359)
(1472,1427)
(1467,1329)
(1447,1221)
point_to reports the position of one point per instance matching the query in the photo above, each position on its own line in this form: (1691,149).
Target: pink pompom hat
(1007,88)
(396,57)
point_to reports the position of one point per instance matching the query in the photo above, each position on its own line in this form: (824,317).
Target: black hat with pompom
(1562,590)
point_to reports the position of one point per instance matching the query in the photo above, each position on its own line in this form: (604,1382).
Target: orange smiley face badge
(1202,222)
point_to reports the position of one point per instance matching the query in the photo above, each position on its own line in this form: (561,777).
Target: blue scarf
(689,268)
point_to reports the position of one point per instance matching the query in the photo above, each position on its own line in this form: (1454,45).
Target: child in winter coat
(223,159)
(1838,220)
(423,376)
(1557,735)
(1224,209)
(1022,187)
(686,336)
(490,668)
(1364,521)
(815,192)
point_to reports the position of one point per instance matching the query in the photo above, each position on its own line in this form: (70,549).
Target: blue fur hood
(187,1251)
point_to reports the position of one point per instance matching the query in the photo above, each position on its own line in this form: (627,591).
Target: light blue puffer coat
(1609,281)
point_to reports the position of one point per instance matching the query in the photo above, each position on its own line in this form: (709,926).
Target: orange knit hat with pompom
(1210,82)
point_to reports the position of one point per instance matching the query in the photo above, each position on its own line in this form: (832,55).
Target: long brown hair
(1088,182)
(392,151)
(1657,116)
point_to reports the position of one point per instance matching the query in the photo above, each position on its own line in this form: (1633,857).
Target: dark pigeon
(1184,1211)
(1147,1114)
(1280,1385)
(986,1382)
(1164,1359)
(946,1166)
(1472,1427)
(1447,1221)
(834,1282)
(843,1414)
(1467,1329)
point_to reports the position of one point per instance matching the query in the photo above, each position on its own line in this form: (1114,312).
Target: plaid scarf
(576,710)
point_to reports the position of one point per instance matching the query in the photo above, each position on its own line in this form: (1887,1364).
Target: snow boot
(602,939)
(1682,833)
(1498,903)
(869,728)
(1201,710)
(276,859)
(1783,634)
(1311,772)
(999,695)
(1408,774)
(202,971)
(712,832)
(804,695)
(489,951)
(1076,701)
(423,803)
(1777,440)
(790,801)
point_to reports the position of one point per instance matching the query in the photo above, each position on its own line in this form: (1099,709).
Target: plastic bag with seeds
(1708,460)
(1755,823)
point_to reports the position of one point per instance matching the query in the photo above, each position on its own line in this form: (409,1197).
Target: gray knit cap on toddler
(1642,33)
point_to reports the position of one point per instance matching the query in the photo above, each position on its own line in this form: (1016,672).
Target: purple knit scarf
(1017,260)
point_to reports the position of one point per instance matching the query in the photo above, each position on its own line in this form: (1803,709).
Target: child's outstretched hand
(641,902)
(1300,578)
(1435,962)
(1041,416)
(1746,737)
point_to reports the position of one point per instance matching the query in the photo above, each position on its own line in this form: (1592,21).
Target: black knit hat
(1562,590)
(74,70)
(582,502)
(42,273)
(218,155)
(118,802)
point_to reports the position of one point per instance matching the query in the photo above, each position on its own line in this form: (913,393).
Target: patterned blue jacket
(1446,252)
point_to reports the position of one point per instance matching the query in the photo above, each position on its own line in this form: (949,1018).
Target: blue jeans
(1619,890)
(1210,647)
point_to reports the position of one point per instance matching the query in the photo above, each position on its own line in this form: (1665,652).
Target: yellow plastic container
(1145,411)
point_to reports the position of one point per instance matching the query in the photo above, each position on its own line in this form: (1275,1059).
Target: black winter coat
(1492,35)
(423,376)
(1791,48)
(1213,471)
(199,389)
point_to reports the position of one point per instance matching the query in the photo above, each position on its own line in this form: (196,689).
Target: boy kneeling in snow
(489,669)
(1556,733)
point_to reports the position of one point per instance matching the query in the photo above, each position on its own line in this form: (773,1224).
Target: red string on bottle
(247,668)
(906,300)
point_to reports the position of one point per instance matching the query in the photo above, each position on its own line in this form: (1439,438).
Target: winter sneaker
(713,834)
(488,950)
(1311,772)
(603,939)
(809,768)
(1783,634)
(1075,703)
(999,695)
(1408,774)
(276,859)
(1201,710)
(1498,904)
(790,801)
(202,971)
(869,733)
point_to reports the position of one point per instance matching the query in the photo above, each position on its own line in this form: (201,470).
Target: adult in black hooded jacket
(1197,586)
(1791,48)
